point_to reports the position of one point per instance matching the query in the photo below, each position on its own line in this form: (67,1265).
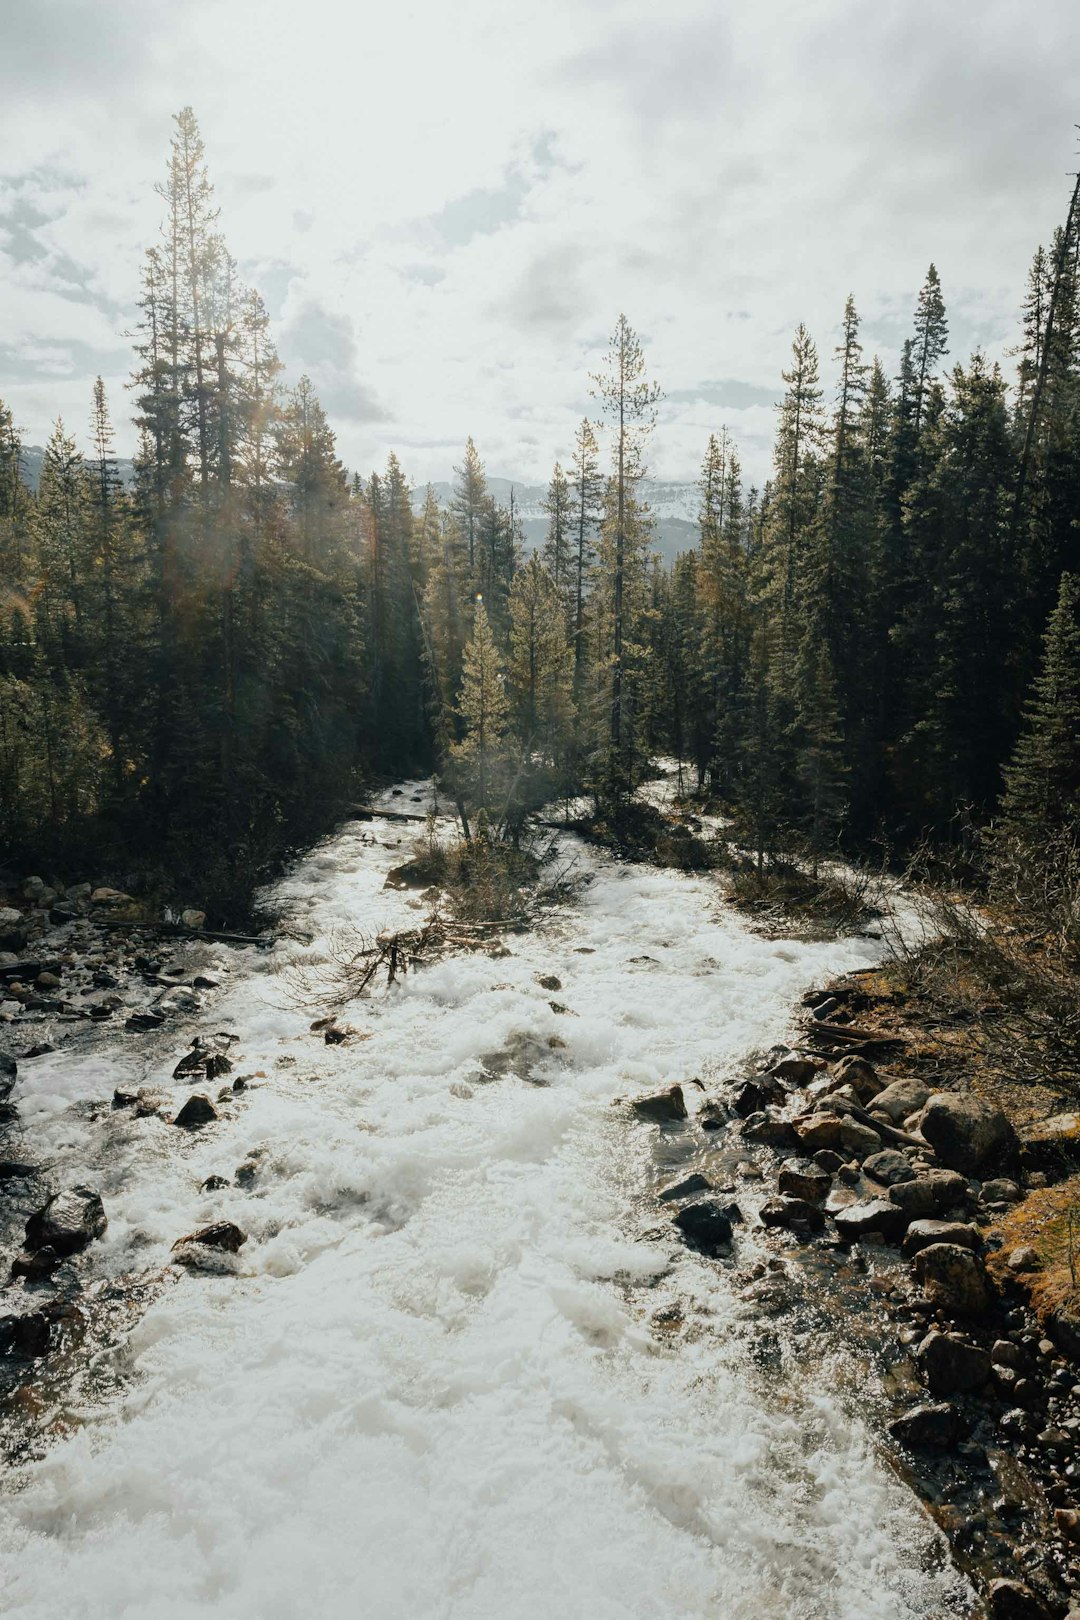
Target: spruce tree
(1042,784)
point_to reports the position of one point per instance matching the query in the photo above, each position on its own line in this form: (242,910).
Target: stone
(796,1071)
(63,912)
(110,897)
(141,1022)
(1012,1600)
(1025,1258)
(901,1099)
(928,1195)
(193,919)
(820,1130)
(35,1265)
(857,1139)
(889,1167)
(549,981)
(770,1131)
(827,1160)
(1001,1191)
(68,1222)
(921,1234)
(706,1227)
(755,1095)
(1052,1145)
(934,1426)
(47,981)
(797,1214)
(9,1073)
(196,1112)
(968,1134)
(871,1215)
(35,1333)
(954,1278)
(861,1076)
(685,1189)
(802,1178)
(664,1108)
(214,1184)
(951,1364)
(222,1235)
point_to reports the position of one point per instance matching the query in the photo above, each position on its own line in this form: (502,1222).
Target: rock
(1005,1353)
(1001,1191)
(817,1131)
(9,918)
(9,1073)
(13,933)
(218,1235)
(141,1022)
(796,1071)
(69,1221)
(1064,1330)
(770,1131)
(889,1167)
(921,1234)
(952,1364)
(797,1214)
(549,981)
(1067,1521)
(34,1265)
(827,1160)
(193,919)
(871,1215)
(110,897)
(968,1134)
(754,1096)
(858,1140)
(47,981)
(860,1076)
(802,1178)
(1012,1600)
(64,911)
(931,1194)
(15,1170)
(123,1097)
(197,1111)
(931,1427)
(1052,1145)
(664,1108)
(706,1227)
(685,1189)
(33,887)
(901,1099)
(217,1064)
(193,1062)
(214,1184)
(35,1333)
(954,1278)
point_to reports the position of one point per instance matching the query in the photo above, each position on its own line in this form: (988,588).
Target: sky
(446,206)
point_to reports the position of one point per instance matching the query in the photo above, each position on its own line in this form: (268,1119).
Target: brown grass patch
(1049,1221)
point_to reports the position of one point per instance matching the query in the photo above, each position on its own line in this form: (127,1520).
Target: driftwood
(851,1032)
(179,930)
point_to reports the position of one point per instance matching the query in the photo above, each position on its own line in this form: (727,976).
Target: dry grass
(1049,1221)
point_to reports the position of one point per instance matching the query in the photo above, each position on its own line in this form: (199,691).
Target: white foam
(433,1391)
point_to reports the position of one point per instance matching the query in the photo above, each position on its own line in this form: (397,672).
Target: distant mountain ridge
(674,509)
(33,456)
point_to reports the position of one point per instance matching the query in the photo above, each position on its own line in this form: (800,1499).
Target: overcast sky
(446,204)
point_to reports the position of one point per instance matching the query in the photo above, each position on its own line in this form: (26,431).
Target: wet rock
(827,1160)
(1006,1353)
(802,1178)
(816,1131)
(889,1167)
(968,1134)
(35,1333)
(214,1184)
(1001,1191)
(921,1234)
(9,1073)
(196,1112)
(755,1096)
(934,1426)
(901,1099)
(664,1108)
(47,981)
(951,1364)
(34,1265)
(206,981)
(142,1022)
(770,1131)
(1012,1600)
(796,1071)
(681,1189)
(151,1100)
(16,1170)
(110,897)
(222,1235)
(871,1215)
(123,1097)
(217,1064)
(706,1227)
(796,1214)
(549,981)
(954,1278)
(860,1075)
(68,1222)
(929,1195)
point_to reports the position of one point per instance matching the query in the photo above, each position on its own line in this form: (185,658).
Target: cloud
(322,343)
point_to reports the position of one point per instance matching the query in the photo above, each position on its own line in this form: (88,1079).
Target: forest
(878,650)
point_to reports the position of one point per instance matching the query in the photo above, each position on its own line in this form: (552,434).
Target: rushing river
(443,1380)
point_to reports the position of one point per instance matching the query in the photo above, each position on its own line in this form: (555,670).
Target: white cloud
(450,205)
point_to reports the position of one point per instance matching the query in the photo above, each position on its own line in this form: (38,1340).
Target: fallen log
(179,930)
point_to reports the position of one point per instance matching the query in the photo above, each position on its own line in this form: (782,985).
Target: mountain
(674,509)
(34,454)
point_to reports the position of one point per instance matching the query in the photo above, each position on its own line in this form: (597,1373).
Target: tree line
(202,670)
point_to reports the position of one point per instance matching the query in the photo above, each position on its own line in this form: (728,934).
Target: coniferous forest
(878,648)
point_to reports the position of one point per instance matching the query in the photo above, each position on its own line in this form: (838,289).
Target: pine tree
(484,708)
(558,543)
(540,667)
(588,487)
(931,341)
(1042,785)
(469,498)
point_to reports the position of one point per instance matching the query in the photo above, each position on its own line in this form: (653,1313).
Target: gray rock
(706,1227)
(931,1194)
(954,1278)
(1012,1600)
(933,1426)
(755,1095)
(685,1189)
(901,1099)
(797,1214)
(952,1364)
(871,1215)
(770,1131)
(663,1108)
(860,1075)
(796,1071)
(1001,1191)
(889,1167)
(921,1234)
(69,1221)
(968,1134)
(196,1112)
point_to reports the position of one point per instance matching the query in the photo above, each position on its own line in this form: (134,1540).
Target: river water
(443,1380)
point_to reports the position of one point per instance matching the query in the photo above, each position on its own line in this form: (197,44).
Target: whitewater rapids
(436,1389)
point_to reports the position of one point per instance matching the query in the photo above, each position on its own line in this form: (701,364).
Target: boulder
(755,1095)
(1025,1258)
(769,1131)
(889,1167)
(869,1215)
(954,1278)
(196,1112)
(796,1071)
(861,1076)
(663,1108)
(1012,1600)
(68,1222)
(951,1364)
(797,1214)
(929,1195)
(857,1139)
(901,1099)
(193,919)
(968,1134)
(218,1235)
(110,897)
(34,1333)
(1001,1191)
(1052,1145)
(685,1189)
(706,1227)
(934,1426)
(12,929)
(802,1178)
(921,1234)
